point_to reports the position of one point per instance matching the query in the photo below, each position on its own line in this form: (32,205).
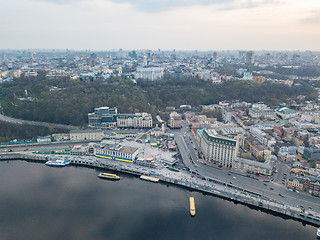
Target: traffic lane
(261,187)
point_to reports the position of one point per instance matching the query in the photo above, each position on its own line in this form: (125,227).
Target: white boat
(57,163)
(318,233)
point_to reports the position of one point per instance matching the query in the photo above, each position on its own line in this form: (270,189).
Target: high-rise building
(218,149)
(250,57)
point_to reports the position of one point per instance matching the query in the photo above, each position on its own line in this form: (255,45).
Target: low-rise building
(116,152)
(44,139)
(137,120)
(61,137)
(295,183)
(260,110)
(266,168)
(86,134)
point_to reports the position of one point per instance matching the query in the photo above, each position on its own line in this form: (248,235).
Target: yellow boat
(192,207)
(108,176)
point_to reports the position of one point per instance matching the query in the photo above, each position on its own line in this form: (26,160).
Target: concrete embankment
(205,185)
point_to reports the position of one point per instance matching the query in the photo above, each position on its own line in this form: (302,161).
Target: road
(4,118)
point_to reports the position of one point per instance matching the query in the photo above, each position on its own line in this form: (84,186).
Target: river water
(41,202)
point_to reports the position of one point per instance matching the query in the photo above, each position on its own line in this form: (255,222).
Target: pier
(197,183)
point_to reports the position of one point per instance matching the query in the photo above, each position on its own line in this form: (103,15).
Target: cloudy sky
(164,24)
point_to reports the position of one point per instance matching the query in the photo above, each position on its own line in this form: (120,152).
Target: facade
(295,183)
(79,150)
(149,73)
(175,120)
(286,113)
(44,139)
(218,149)
(255,167)
(103,117)
(116,152)
(137,120)
(312,186)
(61,137)
(260,110)
(86,134)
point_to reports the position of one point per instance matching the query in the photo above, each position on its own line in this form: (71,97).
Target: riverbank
(184,179)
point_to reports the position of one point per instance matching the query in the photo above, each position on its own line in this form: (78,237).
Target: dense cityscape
(270,150)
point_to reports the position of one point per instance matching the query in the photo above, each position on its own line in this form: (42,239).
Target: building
(260,110)
(79,150)
(61,137)
(44,139)
(218,149)
(295,183)
(266,168)
(247,75)
(149,73)
(86,134)
(103,117)
(116,152)
(312,186)
(137,120)
(286,113)
(175,120)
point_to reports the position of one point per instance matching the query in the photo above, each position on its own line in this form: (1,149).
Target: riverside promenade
(185,179)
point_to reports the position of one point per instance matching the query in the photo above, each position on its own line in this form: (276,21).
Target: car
(230,182)
(234,177)
(281,195)
(271,188)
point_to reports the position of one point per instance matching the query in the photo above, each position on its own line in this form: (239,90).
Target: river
(41,202)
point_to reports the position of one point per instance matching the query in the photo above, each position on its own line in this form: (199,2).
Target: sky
(160,24)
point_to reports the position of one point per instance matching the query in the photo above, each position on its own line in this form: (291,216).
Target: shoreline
(249,199)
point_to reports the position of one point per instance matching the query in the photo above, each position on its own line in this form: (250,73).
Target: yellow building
(295,183)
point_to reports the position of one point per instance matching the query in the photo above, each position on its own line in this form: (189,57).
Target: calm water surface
(40,202)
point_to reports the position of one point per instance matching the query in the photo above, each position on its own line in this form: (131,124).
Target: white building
(86,134)
(150,73)
(175,120)
(137,120)
(44,139)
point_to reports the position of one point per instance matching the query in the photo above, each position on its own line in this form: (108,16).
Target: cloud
(313,18)
(166,5)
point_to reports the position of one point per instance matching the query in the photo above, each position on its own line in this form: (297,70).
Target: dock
(150,179)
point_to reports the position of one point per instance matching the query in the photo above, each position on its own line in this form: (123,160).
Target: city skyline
(181,25)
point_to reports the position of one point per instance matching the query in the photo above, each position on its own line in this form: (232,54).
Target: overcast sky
(164,24)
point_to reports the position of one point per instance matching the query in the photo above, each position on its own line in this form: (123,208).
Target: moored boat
(57,163)
(192,207)
(109,176)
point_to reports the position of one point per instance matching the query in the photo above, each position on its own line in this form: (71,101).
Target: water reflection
(40,202)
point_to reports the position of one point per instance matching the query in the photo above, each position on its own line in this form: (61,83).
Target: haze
(164,24)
